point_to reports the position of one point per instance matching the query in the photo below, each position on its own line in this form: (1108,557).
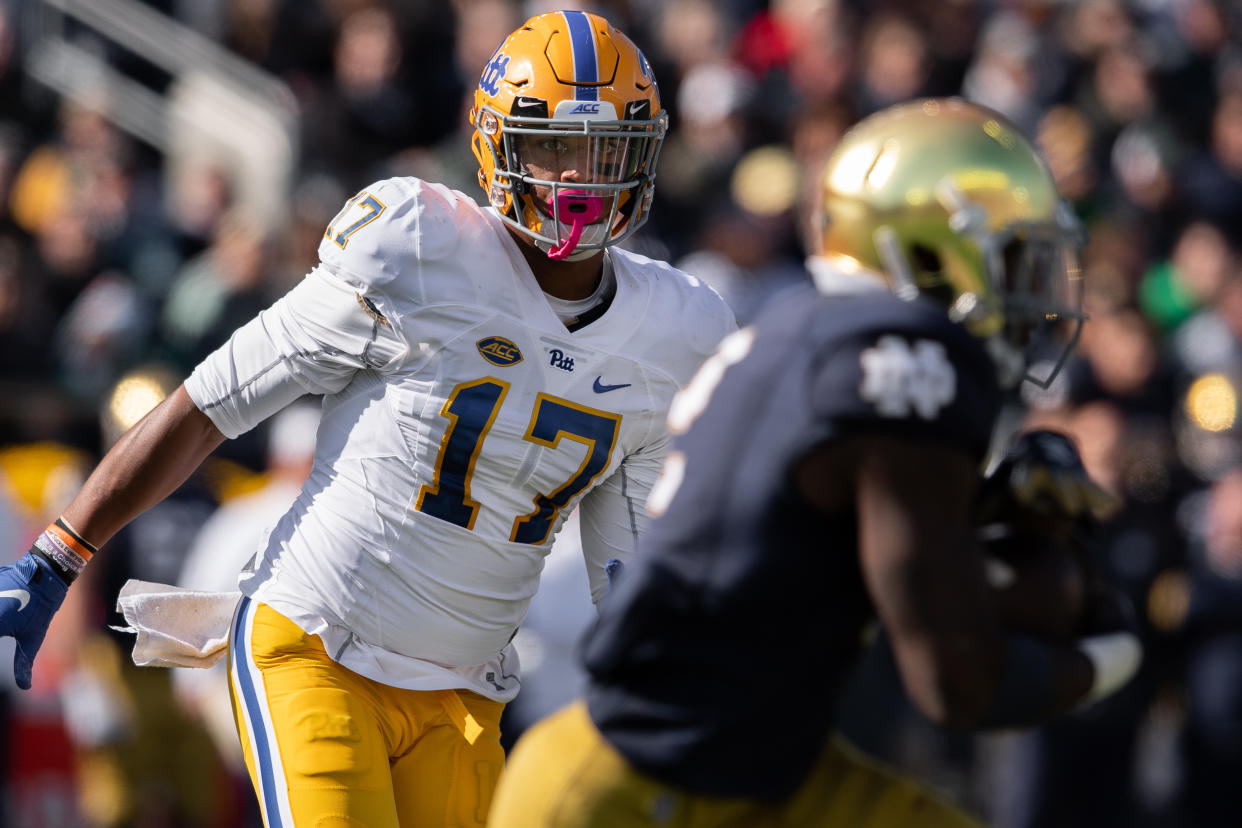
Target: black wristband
(63,550)
(66,574)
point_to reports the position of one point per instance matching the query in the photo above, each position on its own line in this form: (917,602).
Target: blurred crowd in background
(167,169)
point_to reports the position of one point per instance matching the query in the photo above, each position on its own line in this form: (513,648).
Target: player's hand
(612,568)
(30,594)
(1110,640)
(1106,608)
(1043,476)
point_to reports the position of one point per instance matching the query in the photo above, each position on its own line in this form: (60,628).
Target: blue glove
(30,594)
(612,568)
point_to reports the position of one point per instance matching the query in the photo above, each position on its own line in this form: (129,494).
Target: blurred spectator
(1089,28)
(1002,74)
(1211,179)
(24,318)
(1117,91)
(1213,737)
(747,249)
(1211,340)
(376,104)
(1173,290)
(1065,136)
(736,256)
(1204,36)
(102,334)
(1143,159)
(895,64)
(216,291)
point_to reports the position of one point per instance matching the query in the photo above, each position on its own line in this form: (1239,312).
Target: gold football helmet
(945,198)
(567,131)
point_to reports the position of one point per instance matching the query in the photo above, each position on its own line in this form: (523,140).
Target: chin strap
(580,208)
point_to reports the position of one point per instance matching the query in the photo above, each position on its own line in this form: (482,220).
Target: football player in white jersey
(484,372)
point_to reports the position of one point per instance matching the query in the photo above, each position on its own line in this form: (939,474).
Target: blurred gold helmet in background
(947,199)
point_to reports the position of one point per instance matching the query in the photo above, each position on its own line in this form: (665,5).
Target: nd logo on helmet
(493,72)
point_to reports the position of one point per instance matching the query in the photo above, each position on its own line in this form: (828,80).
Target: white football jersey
(462,422)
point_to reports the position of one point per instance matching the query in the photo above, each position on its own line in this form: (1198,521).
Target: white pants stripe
(257,721)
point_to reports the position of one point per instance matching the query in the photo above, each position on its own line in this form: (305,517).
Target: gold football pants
(563,774)
(328,747)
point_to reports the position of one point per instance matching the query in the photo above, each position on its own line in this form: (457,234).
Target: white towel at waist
(176,627)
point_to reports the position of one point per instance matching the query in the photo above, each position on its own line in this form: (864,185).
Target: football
(1038,580)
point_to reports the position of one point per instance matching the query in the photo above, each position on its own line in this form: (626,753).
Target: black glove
(1042,477)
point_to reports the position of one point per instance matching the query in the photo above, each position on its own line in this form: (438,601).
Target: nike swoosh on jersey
(599,387)
(22,596)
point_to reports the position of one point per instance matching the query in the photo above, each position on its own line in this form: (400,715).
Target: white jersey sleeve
(613,515)
(311,341)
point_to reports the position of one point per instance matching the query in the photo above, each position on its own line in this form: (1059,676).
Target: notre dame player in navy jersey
(753,582)
(825,474)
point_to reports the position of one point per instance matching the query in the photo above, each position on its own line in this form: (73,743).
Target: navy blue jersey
(717,661)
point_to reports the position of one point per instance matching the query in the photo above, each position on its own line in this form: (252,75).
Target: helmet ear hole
(928,266)
(925,260)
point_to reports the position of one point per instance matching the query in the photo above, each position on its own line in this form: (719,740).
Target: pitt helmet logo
(499,351)
(493,72)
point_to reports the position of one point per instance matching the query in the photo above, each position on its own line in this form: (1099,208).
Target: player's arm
(313,340)
(613,515)
(148,463)
(926,577)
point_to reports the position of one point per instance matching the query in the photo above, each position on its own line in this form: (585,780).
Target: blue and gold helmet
(567,131)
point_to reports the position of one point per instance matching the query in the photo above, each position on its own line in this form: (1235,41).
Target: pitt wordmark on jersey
(462,422)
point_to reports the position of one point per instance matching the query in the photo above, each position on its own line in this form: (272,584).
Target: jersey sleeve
(311,341)
(613,515)
(376,236)
(917,381)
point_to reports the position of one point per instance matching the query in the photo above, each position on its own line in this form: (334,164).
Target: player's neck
(563,279)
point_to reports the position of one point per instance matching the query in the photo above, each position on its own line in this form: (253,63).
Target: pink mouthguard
(579,208)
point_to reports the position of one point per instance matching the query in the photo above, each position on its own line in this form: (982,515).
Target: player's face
(574,160)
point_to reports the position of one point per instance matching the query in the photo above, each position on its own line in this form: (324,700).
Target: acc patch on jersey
(499,351)
(899,377)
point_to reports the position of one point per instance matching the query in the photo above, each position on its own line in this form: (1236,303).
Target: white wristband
(1115,657)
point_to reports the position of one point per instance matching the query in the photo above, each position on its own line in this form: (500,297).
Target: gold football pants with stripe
(563,774)
(328,747)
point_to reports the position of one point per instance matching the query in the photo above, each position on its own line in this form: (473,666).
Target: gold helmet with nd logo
(945,198)
(568,128)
